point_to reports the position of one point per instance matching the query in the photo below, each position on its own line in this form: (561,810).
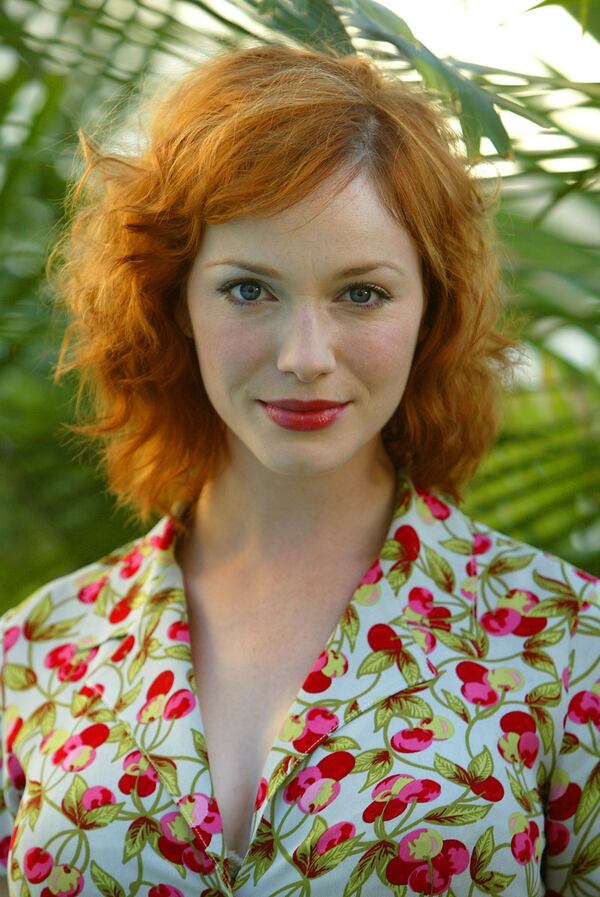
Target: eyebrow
(272,272)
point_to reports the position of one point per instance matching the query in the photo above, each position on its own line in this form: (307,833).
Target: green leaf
(588,859)
(340,743)
(440,570)
(142,830)
(545,695)
(458,546)
(106,884)
(350,625)
(377,855)
(482,765)
(451,770)
(458,814)
(507,563)
(590,798)
(540,660)
(494,882)
(457,706)
(376,662)
(482,853)
(18,677)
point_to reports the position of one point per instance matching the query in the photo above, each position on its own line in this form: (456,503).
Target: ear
(182,318)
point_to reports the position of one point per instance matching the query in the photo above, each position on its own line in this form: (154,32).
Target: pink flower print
(525,844)
(430,508)
(483,686)
(62,659)
(179,844)
(179,704)
(64,881)
(261,793)
(89,594)
(564,797)
(156,694)
(391,796)
(436,728)
(315,787)
(426,862)
(124,648)
(85,698)
(587,576)
(11,635)
(481,543)
(328,665)
(16,772)
(335,834)
(37,865)
(373,575)
(319,722)
(123,608)
(131,563)
(584,707)
(468,588)
(205,814)
(165,891)
(422,609)
(520,743)
(139,774)
(179,631)
(97,796)
(164,540)
(79,751)
(511,615)
(13,728)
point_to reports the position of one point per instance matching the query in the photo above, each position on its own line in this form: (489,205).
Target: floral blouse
(445,741)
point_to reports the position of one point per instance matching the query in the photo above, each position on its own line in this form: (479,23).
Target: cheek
(225,349)
(383,356)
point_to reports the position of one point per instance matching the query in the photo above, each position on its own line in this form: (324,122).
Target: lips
(298,405)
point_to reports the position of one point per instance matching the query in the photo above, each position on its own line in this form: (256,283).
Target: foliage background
(65,65)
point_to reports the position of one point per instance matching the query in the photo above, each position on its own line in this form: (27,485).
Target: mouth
(299,405)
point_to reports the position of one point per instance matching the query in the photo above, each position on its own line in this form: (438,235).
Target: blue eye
(250,297)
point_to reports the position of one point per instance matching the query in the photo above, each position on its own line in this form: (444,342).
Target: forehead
(331,219)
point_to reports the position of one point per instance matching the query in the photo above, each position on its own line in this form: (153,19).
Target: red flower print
(489,788)
(511,615)
(177,705)
(584,707)
(426,862)
(261,794)
(16,772)
(315,787)
(335,834)
(319,722)
(392,795)
(481,543)
(328,665)
(179,631)
(79,751)
(165,891)
(433,728)
(64,881)
(131,563)
(563,801)
(37,865)
(97,796)
(62,657)
(11,635)
(164,540)
(123,608)
(124,648)
(89,594)
(431,508)
(483,686)
(525,844)
(140,775)
(181,845)
(520,743)
(407,537)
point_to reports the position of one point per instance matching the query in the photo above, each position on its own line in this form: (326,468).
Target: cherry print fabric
(445,740)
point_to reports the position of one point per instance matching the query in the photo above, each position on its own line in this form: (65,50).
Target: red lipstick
(294,414)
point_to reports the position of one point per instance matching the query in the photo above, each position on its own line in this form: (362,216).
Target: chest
(249,666)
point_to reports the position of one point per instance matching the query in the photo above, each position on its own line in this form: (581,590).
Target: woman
(314,675)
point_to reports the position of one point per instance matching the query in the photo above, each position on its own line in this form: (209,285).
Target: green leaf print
(37,618)
(482,765)
(588,859)
(457,706)
(350,625)
(545,725)
(540,660)
(439,570)
(341,743)
(546,694)
(200,745)
(105,883)
(42,719)
(451,770)
(401,705)
(18,677)
(520,794)
(458,546)
(459,643)
(502,564)
(494,882)
(376,662)
(377,762)
(409,667)
(262,851)
(590,797)
(376,857)
(458,814)
(482,853)
(545,639)
(141,830)
(556,586)
(72,801)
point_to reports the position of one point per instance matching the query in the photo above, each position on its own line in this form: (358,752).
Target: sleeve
(7,818)
(572,856)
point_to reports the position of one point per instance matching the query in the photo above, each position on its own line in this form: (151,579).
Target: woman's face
(305,329)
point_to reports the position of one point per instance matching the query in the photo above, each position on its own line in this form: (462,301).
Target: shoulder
(55,608)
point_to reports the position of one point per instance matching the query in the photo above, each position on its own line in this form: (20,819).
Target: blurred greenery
(64,64)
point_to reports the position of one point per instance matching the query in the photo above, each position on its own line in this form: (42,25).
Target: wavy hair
(250,132)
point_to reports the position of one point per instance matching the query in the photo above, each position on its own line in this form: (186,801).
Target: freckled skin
(308,338)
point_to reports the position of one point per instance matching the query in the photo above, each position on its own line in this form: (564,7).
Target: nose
(305,344)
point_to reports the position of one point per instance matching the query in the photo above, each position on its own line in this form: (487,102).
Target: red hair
(251,132)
